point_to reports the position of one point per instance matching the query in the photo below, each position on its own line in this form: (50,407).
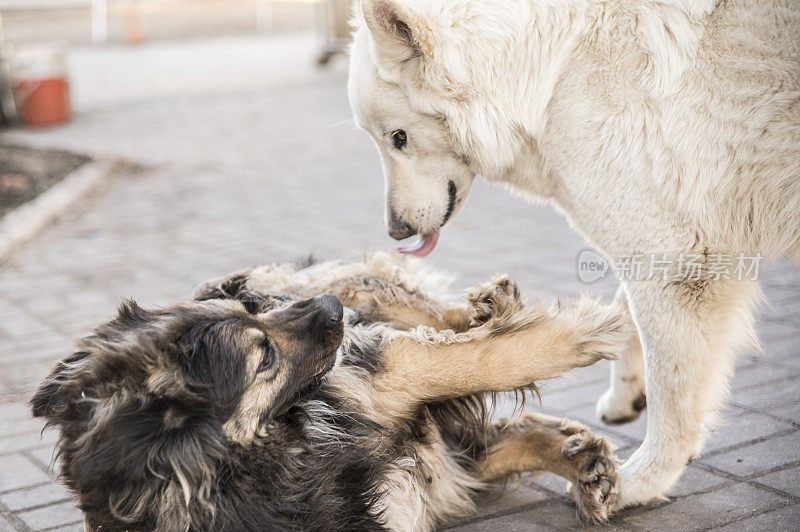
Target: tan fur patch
(511,352)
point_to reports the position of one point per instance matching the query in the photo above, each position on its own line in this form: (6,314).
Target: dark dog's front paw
(226,287)
(496,297)
(596,488)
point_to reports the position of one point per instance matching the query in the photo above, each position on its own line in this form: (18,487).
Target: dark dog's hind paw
(597,486)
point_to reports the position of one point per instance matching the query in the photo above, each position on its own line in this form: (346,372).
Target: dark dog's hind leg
(537,442)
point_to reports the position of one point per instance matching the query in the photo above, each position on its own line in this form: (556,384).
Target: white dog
(655,126)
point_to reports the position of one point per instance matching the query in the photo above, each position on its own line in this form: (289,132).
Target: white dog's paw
(621,405)
(642,481)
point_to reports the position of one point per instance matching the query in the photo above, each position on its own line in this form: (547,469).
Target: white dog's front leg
(624,400)
(690,330)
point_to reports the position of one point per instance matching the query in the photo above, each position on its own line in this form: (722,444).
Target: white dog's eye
(399,138)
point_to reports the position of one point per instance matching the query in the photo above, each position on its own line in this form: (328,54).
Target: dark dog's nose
(401,231)
(330,308)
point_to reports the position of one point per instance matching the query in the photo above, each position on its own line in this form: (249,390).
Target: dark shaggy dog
(253,407)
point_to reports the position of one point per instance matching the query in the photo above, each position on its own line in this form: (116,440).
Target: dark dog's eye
(399,138)
(266,360)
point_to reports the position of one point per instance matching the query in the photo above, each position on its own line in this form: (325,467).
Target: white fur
(428,488)
(655,126)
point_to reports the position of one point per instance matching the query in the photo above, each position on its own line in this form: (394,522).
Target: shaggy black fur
(141,407)
(142,403)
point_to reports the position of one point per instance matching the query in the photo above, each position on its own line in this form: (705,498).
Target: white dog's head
(427,178)
(449,89)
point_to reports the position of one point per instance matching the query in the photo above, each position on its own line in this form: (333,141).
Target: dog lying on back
(263,405)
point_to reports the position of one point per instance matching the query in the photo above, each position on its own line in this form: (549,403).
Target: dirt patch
(27,172)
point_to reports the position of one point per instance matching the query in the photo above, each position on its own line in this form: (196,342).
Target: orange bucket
(41,85)
(43,102)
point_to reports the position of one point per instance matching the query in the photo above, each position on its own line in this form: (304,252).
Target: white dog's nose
(401,231)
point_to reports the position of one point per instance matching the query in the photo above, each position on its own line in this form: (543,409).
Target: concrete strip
(25,222)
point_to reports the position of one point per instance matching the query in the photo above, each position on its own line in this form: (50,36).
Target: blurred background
(134,21)
(37,36)
(148,145)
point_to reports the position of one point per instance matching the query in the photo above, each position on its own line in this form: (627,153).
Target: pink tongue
(423,246)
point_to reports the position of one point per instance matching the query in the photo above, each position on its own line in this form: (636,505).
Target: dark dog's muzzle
(330,310)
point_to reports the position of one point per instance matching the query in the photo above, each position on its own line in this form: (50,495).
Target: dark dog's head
(150,403)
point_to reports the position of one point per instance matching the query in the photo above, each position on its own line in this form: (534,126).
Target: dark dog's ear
(58,396)
(140,439)
(55,398)
(153,462)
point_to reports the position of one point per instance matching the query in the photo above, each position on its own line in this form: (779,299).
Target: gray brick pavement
(273,170)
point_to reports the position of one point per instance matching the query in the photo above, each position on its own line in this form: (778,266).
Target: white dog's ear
(396,30)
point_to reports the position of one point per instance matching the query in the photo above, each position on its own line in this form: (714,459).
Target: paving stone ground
(249,157)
